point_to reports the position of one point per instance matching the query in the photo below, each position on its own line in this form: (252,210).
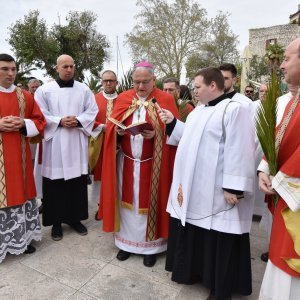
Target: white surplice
(133,226)
(65,150)
(206,162)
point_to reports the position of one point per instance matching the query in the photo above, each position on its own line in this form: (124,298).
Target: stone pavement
(86,268)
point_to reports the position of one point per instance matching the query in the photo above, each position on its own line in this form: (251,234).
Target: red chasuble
(100,119)
(108,195)
(281,243)
(16,191)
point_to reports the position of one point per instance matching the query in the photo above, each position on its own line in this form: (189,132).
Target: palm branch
(266,122)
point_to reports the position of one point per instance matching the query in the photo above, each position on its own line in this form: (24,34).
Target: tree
(220,46)
(259,69)
(167,34)
(35,45)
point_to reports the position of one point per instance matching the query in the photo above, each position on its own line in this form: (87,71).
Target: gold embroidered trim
(22,108)
(157,154)
(292,224)
(3,199)
(180,195)
(294,185)
(127,205)
(143,211)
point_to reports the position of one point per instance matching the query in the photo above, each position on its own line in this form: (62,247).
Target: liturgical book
(133,129)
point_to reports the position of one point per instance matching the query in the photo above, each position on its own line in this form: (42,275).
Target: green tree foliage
(34,44)
(274,54)
(94,84)
(219,47)
(125,83)
(166,34)
(259,69)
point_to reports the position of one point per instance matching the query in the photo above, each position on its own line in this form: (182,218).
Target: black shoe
(41,208)
(265,257)
(123,255)
(149,260)
(96,216)
(56,233)
(30,249)
(79,228)
(88,179)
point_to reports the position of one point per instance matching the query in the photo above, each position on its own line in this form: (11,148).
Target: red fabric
(100,119)
(281,243)
(16,193)
(108,193)
(40,156)
(145,168)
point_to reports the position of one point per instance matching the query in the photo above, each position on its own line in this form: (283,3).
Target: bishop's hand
(148,134)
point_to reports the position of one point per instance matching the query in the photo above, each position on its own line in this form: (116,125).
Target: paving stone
(66,265)
(25,283)
(115,283)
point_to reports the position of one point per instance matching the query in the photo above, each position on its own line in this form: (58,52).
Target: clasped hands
(11,123)
(69,122)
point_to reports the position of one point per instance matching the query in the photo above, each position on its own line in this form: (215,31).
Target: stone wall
(283,33)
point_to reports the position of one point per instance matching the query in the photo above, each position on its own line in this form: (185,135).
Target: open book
(133,129)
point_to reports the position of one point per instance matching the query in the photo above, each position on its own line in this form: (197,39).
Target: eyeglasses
(144,82)
(169,90)
(249,91)
(108,81)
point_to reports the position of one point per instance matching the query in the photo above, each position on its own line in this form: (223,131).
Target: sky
(117,17)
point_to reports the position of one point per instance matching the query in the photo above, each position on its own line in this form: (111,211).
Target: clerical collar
(143,99)
(110,96)
(231,94)
(65,84)
(217,100)
(7,90)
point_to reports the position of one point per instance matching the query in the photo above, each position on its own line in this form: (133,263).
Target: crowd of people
(185,185)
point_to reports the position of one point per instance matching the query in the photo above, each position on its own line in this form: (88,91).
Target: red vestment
(281,243)
(17,193)
(100,119)
(108,195)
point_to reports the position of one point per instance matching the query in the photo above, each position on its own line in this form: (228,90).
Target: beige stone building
(260,38)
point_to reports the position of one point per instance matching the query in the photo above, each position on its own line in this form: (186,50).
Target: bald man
(70,110)
(282,275)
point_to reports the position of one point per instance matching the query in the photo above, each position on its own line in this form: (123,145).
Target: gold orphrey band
(3,198)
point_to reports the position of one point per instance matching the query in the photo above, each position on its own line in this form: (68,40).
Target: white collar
(9,90)
(110,96)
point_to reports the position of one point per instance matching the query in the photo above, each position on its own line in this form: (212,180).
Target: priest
(70,110)
(282,275)
(106,101)
(20,118)
(211,198)
(135,184)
